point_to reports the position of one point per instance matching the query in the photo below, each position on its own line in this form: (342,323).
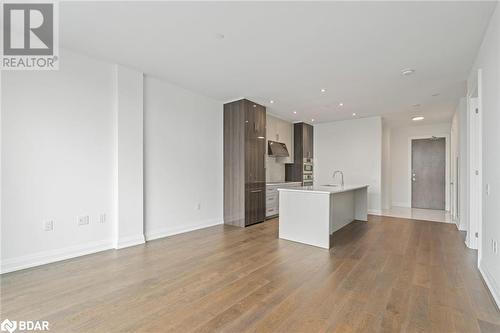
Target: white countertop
(324,189)
(281,183)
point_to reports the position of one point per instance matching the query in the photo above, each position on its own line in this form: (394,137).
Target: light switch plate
(48,225)
(83,220)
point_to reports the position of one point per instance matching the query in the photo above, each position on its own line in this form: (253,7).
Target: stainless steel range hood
(277,149)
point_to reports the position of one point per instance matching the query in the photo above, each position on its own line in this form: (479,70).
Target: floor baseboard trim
(160,233)
(490,283)
(130,241)
(47,257)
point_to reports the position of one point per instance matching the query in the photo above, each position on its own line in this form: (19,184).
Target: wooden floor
(387,275)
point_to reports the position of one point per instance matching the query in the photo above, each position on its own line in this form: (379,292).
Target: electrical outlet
(198,206)
(487,189)
(102,218)
(48,225)
(83,220)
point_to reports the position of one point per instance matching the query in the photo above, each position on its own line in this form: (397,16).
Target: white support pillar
(128,178)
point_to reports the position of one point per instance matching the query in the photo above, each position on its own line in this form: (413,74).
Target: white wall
(400,138)
(183,164)
(355,147)
(72,145)
(454,152)
(57,160)
(386,168)
(282,131)
(488,59)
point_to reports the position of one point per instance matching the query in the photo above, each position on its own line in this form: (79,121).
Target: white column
(128,178)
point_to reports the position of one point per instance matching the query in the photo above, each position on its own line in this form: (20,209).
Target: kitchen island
(310,214)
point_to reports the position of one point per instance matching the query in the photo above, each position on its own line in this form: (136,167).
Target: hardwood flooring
(387,275)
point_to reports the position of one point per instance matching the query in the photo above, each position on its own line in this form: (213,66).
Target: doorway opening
(428,173)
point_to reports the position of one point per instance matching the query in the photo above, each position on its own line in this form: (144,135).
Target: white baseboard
(130,241)
(375,211)
(491,283)
(160,233)
(47,257)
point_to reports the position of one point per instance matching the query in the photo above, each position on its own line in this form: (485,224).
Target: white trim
(447,166)
(490,283)
(165,232)
(47,257)
(375,211)
(128,241)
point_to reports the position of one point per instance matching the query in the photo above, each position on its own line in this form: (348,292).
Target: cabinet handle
(255,191)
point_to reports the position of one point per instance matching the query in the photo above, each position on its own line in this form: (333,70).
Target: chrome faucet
(341,174)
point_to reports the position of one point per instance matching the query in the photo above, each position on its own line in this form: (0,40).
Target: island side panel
(342,206)
(305,217)
(361,204)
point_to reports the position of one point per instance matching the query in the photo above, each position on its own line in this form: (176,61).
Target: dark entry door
(428,176)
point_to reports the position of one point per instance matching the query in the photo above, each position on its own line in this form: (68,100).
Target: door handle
(255,191)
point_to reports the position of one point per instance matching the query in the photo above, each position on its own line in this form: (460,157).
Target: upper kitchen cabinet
(244,163)
(303,135)
(308,140)
(303,145)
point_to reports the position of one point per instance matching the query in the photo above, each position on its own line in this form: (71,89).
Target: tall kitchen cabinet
(303,143)
(244,165)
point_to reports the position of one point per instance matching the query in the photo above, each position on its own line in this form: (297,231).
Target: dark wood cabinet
(244,164)
(303,148)
(308,141)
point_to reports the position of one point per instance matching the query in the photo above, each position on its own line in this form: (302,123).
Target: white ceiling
(288,51)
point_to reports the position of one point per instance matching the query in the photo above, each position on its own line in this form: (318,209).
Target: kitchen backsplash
(275,169)
(282,131)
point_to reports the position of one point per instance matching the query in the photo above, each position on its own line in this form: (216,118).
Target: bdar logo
(8,325)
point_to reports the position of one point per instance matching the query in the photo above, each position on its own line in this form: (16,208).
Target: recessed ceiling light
(271,101)
(294,112)
(341,104)
(407,71)
(436,94)
(416,105)
(312,119)
(354,114)
(323,90)
(417,118)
